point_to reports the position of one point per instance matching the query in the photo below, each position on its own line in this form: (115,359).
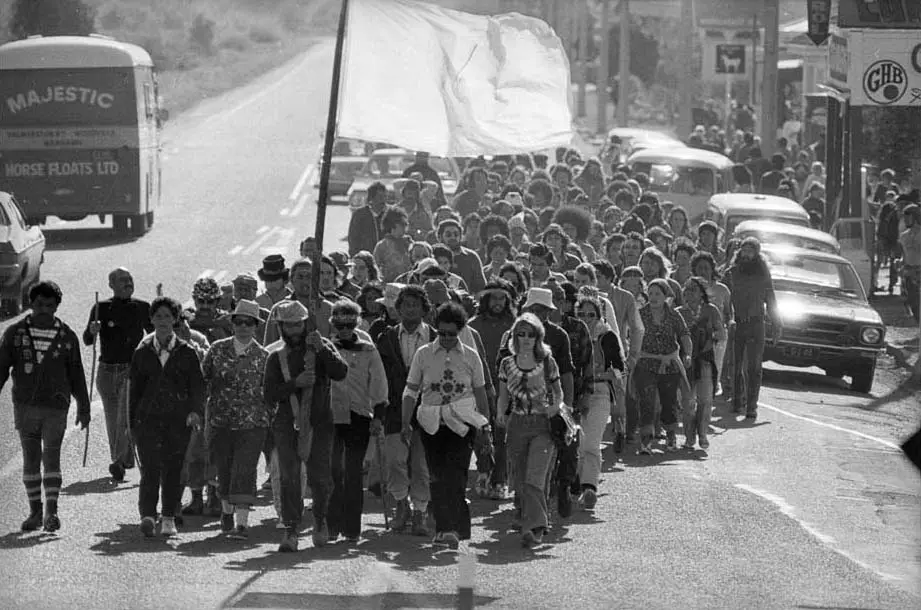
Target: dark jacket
(51,383)
(388,344)
(330,366)
(165,393)
(364,230)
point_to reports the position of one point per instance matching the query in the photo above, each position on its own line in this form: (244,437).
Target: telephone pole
(688,80)
(604,70)
(581,17)
(769,92)
(623,87)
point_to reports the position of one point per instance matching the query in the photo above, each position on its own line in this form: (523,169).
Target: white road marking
(235,250)
(281,245)
(220,275)
(789,511)
(205,273)
(284,211)
(264,237)
(296,192)
(868,437)
(262,229)
(301,204)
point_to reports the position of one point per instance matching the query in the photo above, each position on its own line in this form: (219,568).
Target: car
(728,210)
(624,141)
(827,321)
(386,165)
(342,173)
(22,252)
(770,232)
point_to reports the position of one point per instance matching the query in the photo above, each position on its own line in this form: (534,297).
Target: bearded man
(467,263)
(297,386)
(752,288)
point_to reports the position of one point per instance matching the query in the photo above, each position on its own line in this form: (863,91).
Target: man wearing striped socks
(44,355)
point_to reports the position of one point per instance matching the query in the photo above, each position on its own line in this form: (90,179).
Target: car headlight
(871,334)
(791,312)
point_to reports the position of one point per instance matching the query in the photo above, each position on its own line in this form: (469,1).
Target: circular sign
(916,58)
(885,82)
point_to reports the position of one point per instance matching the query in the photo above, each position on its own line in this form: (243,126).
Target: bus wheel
(120,223)
(139,224)
(150,219)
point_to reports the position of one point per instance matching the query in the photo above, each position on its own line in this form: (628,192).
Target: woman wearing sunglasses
(598,401)
(237,416)
(530,394)
(353,401)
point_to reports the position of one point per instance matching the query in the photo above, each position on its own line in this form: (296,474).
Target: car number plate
(798,351)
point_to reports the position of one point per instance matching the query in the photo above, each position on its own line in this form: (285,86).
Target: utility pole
(623,88)
(769,92)
(582,32)
(604,70)
(688,80)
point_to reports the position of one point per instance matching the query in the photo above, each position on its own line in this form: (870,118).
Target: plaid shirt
(580,345)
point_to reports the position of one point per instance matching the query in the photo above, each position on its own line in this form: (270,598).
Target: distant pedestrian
(274,275)
(910,241)
(120,323)
(47,369)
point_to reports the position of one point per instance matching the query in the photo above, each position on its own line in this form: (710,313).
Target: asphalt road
(812,507)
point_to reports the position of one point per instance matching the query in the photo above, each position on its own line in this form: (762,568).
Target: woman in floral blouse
(237,416)
(660,371)
(530,394)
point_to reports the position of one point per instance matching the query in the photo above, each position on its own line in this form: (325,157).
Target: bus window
(148,101)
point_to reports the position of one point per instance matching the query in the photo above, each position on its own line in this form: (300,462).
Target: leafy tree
(644,53)
(51,18)
(891,137)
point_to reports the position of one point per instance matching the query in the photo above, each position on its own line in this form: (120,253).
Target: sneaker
(320,533)
(499,492)
(32,522)
(52,523)
(450,540)
(589,498)
(564,501)
(645,449)
(482,485)
(403,516)
(117,471)
(227,522)
(751,416)
(196,507)
(619,442)
(704,443)
(148,525)
(168,527)
(288,541)
(419,525)
(240,533)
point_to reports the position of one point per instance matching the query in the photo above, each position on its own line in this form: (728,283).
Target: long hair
(541,349)
(367,258)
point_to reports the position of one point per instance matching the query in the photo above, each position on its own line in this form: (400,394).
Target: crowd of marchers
(513,323)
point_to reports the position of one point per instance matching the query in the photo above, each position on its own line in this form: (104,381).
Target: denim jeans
(347,501)
(41,433)
(748,350)
(532,453)
(595,416)
(235,455)
(319,468)
(112,383)
(407,470)
(697,411)
(448,457)
(657,389)
(500,469)
(161,447)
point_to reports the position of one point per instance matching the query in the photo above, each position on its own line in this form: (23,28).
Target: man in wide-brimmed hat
(274,274)
(297,386)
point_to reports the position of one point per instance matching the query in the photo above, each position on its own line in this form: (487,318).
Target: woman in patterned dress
(530,394)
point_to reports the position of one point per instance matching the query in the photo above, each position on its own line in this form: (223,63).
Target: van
(728,210)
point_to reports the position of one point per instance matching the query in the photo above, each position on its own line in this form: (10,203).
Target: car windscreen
(674,178)
(736,219)
(780,238)
(392,166)
(343,170)
(805,274)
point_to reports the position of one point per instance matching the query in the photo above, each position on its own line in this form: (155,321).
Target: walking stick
(86,437)
(380,466)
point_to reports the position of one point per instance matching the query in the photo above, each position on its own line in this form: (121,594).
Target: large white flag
(452,83)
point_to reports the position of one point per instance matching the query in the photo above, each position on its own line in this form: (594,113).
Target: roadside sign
(838,61)
(730,59)
(885,67)
(889,14)
(819,13)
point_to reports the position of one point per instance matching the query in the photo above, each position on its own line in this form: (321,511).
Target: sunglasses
(244,322)
(447,334)
(587,314)
(345,325)
(525,335)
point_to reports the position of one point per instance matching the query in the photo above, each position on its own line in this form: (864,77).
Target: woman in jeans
(706,327)
(529,395)
(449,376)
(598,401)
(237,416)
(660,371)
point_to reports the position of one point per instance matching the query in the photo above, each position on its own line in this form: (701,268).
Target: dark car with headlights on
(827,321)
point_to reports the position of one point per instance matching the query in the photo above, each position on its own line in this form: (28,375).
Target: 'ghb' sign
(730,59)
(885,82)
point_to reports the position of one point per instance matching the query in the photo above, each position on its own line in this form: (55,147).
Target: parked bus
(80,130)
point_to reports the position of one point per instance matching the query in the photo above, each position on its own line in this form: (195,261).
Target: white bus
(80,130)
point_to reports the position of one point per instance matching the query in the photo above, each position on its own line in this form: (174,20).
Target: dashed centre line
(235,250)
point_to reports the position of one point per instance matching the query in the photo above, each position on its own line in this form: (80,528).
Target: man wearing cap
(297,388)
(208,318)
(237,415)
(467,263)
(365,225)
(407,474)
(302,283)
(274,275)
(120,323)
(245,288)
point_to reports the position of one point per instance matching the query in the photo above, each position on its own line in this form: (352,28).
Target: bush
(52,18)
(261,34)
(201,34)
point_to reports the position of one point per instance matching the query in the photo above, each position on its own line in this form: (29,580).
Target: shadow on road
(806,381)
(26,540)
(391,599)
(84,239)
(102,485)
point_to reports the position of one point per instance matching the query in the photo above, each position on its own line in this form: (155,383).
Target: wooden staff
(86,437)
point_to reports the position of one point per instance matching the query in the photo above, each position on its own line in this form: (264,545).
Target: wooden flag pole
(330,137)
